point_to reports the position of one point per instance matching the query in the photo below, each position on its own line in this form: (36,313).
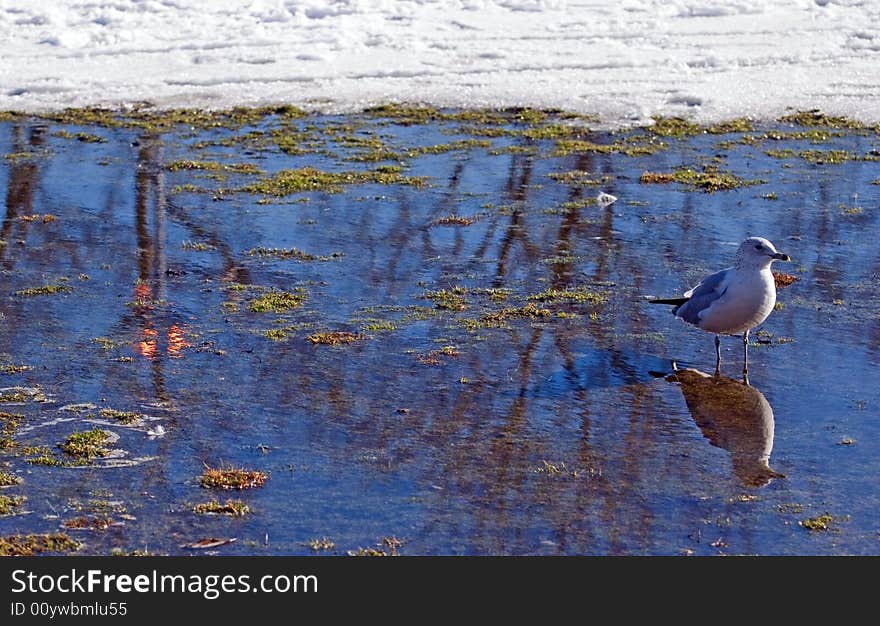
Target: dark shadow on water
(734,416)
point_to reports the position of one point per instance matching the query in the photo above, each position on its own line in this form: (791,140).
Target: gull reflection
(733,416)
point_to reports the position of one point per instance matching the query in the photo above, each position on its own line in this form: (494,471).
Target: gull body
(735,300)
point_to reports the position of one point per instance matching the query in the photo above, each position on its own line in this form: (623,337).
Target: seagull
(734,300)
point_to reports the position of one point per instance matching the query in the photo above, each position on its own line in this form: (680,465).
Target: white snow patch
(625,60)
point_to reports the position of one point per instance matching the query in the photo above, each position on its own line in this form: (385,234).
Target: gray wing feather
(701,297)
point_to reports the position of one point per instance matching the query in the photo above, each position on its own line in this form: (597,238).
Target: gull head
(759,253)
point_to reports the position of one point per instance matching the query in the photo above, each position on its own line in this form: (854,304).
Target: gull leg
(746,357)
(717,355)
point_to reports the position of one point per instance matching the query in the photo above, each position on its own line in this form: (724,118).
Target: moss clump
(88,523)
(277,302)
(275,334)
(674,127)
(784,280)
(29,545)
(832,157)
(8,504)
(47,460)
(433,357)
(554,131)
(320,545)
(196,246)
(213,166)
(738,125)
(232,508)
(405,114)
(152,120)
(822,522)
(86,444)
(14,396)
(372,326)
(577,178)
(288,182)
(448,299)
(709,180)
(454,220)
(785,153)
(125,417)
(231,478)
(462,144)
(335,338)
(815,117)
(84,137)
(291,254)
(500,319)
(8,479)
(45,290)
(578,294)
(566,147)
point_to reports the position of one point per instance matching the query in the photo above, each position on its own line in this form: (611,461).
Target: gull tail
(675,301)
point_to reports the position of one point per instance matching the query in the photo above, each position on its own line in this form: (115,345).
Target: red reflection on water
(148,346)
(177,341)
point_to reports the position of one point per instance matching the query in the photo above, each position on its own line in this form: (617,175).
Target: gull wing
(703,295)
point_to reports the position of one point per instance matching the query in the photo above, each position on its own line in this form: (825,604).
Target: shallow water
(475,429)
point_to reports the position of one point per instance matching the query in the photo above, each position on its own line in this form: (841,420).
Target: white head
(758,252)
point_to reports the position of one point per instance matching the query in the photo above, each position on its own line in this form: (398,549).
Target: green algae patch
(232,508)
(287,182)
(44,290)
(196,246)
(123,417)
(8,479)
(814,117)
(30,545)
(322,544)
(156,120)
(376,326)
(12,368)
(80,136)
(820,523)
(275,334)
(577,178)
(501,318)
(785,153)
(335,338)
(566,147)
(677,127)
(9,504)
(453,220)
(232,478)
(291,254)
(462,144)
(86,444)
(831,157)
(213,166)
(9,423)
(709,180)
(579,294)
(405,114)
(737,125)
(448,299)
(278,302)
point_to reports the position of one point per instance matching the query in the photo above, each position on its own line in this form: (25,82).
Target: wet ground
(444,350)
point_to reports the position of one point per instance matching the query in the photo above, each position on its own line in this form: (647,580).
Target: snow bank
(623,59)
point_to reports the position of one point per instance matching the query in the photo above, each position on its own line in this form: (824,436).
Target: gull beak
(779,256)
